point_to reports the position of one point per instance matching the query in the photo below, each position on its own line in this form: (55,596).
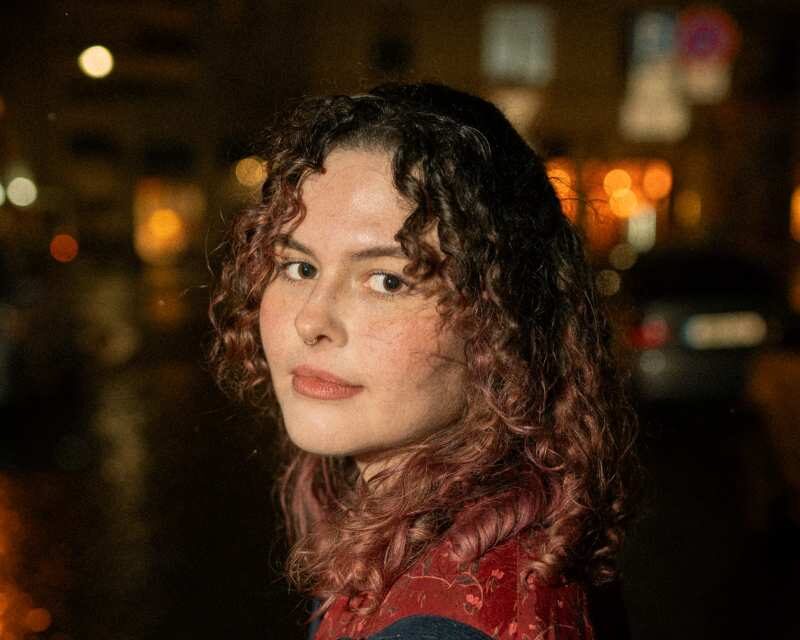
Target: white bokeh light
(96,61)
(21,192)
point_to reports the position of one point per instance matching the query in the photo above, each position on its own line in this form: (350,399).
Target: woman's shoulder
(490,595)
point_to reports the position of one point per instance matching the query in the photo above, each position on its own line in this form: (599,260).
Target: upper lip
(310,372)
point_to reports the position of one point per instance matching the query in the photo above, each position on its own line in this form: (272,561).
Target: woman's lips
(321,385)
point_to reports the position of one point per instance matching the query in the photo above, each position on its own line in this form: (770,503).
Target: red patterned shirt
(488,594)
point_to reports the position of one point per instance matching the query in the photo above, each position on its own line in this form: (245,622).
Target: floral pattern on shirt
(487,594)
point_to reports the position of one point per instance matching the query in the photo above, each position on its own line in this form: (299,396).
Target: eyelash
(283,266)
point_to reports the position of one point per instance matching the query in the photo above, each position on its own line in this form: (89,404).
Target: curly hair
(545,446)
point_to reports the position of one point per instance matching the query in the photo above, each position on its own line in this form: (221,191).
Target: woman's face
(341,288)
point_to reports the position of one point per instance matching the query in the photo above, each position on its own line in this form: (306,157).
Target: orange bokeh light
(657,180)
(623,203)
(794,224)
(165,225)
(38,619)
(63,247)
(616,180)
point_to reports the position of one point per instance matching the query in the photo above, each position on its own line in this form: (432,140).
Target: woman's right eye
(298,270)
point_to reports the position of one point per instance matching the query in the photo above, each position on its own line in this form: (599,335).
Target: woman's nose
(318,319)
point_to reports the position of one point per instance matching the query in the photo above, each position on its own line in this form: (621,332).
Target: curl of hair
(545,446)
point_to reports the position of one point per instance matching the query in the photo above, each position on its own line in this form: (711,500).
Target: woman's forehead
(355,195)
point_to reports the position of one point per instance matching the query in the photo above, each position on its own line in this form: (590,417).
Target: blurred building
(663,124)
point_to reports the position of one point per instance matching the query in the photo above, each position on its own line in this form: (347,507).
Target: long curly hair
(545,446)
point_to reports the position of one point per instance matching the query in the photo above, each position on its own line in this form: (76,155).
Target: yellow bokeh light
(22,192)
(63,247)
(2,194)
(623,203)
(688,208)
(616,180)
(795,214)
(96,61)
(657,180)
(165,225)
(161,235)
(251,171)
(166,214)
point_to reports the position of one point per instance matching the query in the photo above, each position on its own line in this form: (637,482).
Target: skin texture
(370,329)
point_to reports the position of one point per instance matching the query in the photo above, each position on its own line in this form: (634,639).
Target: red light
(652,333)
(63,247)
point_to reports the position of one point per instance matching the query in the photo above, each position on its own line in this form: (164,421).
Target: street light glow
(96,61)
(21,192)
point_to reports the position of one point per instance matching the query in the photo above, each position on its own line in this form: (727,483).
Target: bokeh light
(623,256)
(166,215)
(616,180)
(22,192)
(2,195)
(642,229)
(165,225)
(96,61)
(38,620)
(623,203)
(162,235)
(608,282)
(795,214)
(251,171)
(64,247)
(657,180)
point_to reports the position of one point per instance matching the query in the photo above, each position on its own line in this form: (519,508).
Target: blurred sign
(676,61)
(654,108)
(708,39)
(653,37)
(518,43)
(707,33)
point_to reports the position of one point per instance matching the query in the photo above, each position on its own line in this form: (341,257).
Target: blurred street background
(136,501)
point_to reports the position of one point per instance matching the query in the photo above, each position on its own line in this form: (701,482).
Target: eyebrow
(378,251)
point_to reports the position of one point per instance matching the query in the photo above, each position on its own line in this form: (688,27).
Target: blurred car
(694,319)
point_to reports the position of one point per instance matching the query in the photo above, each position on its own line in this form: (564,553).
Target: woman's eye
(298,270)
(386,283)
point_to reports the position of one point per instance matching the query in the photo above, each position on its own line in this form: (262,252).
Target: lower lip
(323,389)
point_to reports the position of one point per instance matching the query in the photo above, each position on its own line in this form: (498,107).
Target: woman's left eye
(297,270)
(386,283)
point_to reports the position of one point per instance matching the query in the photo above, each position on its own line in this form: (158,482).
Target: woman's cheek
(403,349)
(276,323)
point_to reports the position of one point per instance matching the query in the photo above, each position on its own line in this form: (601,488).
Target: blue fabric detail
(316,603)
(428,628)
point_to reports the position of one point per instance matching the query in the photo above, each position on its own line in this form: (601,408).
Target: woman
(410,302)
